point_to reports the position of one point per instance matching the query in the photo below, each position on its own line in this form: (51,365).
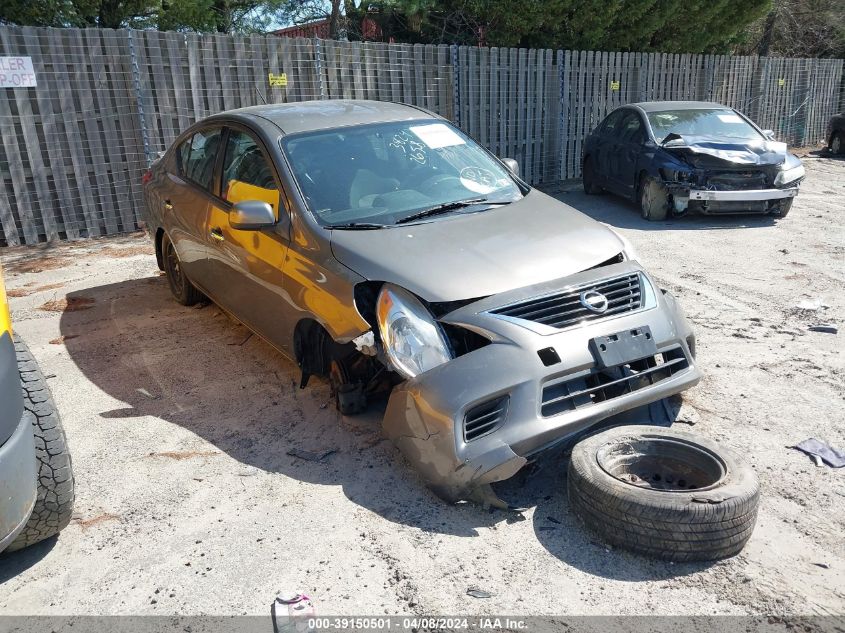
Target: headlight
(788,175)
(412,339)
(677,175)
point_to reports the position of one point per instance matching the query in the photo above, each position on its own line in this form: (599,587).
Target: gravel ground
(187,503)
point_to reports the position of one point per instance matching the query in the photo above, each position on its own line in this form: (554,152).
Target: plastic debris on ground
(819,450)
(827,328)
(475,592)
(310,456)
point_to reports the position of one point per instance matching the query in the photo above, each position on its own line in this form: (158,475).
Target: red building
(370,30)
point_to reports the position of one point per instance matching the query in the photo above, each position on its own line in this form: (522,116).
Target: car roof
(306,116)
(660,106)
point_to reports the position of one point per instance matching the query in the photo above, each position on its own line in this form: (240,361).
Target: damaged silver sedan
(383,249)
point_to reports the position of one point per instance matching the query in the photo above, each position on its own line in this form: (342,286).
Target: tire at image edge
(55,490)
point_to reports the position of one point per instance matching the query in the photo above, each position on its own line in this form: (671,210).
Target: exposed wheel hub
(661,464)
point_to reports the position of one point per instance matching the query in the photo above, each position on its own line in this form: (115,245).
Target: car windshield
(701,122)
(384,173)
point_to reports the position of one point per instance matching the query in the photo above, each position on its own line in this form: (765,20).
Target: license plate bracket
(623,347)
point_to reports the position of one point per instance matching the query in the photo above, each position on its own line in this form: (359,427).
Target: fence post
(318,60)
(136,80)
(562,114)
(456,85)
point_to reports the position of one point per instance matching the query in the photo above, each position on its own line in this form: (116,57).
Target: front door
(624,158)
(247,265)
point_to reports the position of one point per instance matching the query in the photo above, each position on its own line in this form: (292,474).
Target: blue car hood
(739,152)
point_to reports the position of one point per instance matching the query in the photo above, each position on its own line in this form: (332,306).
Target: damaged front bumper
(481,417)
(742,195)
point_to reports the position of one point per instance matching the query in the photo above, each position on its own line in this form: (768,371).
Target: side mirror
(512,165)
(769,134)
(251,215)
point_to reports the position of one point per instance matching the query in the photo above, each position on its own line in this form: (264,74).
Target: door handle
(217,234)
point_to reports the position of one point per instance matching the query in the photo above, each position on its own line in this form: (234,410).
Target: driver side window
(247,174)
(631,130)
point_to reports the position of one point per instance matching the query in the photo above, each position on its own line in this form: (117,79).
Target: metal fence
(74,148)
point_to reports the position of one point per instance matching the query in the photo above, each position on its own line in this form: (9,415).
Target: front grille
(603,384)
(485,417)
(737,180)
(624,294)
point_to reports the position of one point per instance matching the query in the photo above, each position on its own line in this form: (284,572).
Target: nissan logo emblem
(594,301)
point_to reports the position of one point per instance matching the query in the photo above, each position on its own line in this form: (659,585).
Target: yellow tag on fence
(781,82)
(614,85)
(278,80)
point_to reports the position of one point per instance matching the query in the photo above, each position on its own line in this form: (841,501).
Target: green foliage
(689,26)
(191,15)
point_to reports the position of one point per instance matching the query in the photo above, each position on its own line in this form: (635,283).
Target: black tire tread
(55,492)
(667,525)
(190,294)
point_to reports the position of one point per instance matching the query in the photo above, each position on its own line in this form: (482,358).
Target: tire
(55,492)
(837,143)
(654,200)
(782,208)
(588,178)
(673,522)
(180,286)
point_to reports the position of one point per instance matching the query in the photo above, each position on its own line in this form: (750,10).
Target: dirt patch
(180,455)
(68,304)
(36,265)
(62,339)
(103,518)
(30,290)
(145,249)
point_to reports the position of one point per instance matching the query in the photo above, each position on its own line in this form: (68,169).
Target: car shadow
(197,368)
(17,562)
(624,214)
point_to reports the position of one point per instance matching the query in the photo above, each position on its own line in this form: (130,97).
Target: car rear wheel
(654,199)
(663,493)
(588,177)
(180,286)
(837,143)
(55,490)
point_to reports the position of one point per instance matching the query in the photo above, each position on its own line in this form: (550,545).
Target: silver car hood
(458,257)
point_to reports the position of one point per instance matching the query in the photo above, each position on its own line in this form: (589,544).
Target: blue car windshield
(384,172)
(721,123)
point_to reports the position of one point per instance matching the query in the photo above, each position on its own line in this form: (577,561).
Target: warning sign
(16,72)
(278,80)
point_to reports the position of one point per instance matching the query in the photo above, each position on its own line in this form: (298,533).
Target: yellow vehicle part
(239,191)
(5,318)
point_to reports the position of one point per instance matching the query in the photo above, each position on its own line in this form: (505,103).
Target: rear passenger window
(197,157)
(247,175)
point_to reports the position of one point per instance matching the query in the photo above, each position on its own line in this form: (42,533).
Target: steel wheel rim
(836,145)
(662,464)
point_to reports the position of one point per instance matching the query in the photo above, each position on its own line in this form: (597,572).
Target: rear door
(186,200)
(247,265)
(627,147)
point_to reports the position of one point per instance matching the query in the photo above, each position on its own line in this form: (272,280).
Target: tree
(691,26)
(799,28)
(224,16)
